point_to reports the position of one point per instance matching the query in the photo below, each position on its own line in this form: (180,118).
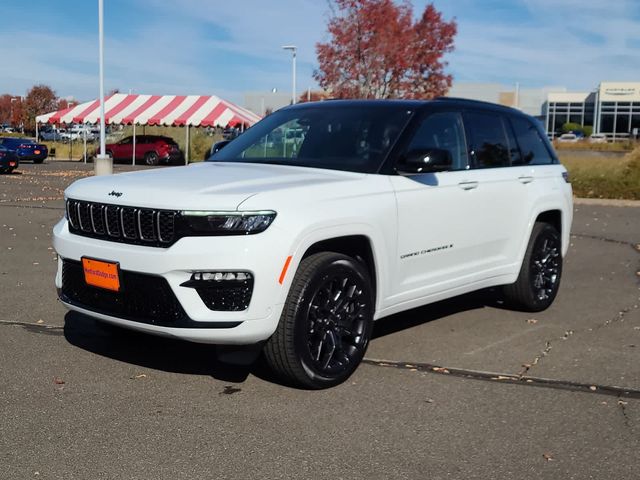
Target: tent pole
(133,160)
(186,148)
(84,138)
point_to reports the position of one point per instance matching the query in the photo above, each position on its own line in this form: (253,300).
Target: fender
(327,232)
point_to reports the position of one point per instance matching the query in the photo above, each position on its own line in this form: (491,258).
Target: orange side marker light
(284,270)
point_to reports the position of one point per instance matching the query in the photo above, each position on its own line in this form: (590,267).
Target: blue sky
(230,47)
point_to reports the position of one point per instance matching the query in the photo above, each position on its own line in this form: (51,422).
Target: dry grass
(622,146)
(605,176)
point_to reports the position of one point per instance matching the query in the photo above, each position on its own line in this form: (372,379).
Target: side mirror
(426,161)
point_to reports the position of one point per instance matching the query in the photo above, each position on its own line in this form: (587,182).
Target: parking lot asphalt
(461,389)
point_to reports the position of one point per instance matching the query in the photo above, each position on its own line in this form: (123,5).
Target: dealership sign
(626,92)
(619,91)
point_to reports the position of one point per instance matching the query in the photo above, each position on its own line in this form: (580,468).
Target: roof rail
(470,100)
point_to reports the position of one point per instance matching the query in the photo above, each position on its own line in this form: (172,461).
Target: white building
(613,109)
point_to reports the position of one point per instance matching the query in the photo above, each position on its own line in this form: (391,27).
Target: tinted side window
(443,131)
(534,151)
(487,140)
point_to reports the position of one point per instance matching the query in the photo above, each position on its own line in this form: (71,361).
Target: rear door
(498,214)
(537,169)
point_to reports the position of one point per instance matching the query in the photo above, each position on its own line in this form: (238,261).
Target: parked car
(8,160)
(215,148)
(150,149)
(384,207)
(25,149)
(568,138)
(598,138)
(230,133)
(69,136)
(50,134)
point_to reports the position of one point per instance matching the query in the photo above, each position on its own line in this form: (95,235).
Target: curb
(605,202)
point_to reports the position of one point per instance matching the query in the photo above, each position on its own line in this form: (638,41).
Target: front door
(434,236)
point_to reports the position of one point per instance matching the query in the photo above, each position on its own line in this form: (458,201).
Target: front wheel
(539,279)
(326,323)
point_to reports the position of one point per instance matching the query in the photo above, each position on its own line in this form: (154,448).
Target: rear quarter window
(532,146)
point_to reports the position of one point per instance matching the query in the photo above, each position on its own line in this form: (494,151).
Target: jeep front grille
(139,226)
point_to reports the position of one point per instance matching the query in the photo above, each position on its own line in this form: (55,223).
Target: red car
(150,149)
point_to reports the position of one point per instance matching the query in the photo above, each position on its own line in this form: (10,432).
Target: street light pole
(103,164)
(294,50)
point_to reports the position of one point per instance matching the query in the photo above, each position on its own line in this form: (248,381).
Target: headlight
(228,223)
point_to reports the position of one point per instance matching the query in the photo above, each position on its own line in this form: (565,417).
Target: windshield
(338,137)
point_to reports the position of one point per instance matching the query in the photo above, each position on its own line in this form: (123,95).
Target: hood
(209,185)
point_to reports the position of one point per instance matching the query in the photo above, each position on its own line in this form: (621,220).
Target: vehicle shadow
(435,311)
(177,356)
(149,351)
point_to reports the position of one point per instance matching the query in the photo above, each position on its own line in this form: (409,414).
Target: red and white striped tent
(167,110)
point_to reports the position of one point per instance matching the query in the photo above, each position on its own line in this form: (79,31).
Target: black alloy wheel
(326,324)
(539,279)
(151,158)
(336,323)
(545,267)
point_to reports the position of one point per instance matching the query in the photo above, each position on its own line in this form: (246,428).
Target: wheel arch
(358,247)
(552,217)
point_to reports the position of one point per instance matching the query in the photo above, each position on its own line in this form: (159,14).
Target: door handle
(525,179)
(468,185)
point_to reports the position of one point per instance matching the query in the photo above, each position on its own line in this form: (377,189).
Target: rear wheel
(151,158)
(539,279)
(326,323)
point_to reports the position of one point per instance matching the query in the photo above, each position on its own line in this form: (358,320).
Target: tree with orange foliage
(40,99)
(313,96)
(377,50)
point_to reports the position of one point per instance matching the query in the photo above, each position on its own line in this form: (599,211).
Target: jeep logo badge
(115,194)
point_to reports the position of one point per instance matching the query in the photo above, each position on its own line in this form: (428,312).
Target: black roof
(412,104)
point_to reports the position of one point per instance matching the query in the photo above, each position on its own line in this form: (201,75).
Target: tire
(4,170)
(326,323)
(151,158)
(539,279)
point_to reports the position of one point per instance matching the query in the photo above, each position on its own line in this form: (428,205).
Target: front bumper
(175,265)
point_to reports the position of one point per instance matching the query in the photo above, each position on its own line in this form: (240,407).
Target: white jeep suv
(297,246)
